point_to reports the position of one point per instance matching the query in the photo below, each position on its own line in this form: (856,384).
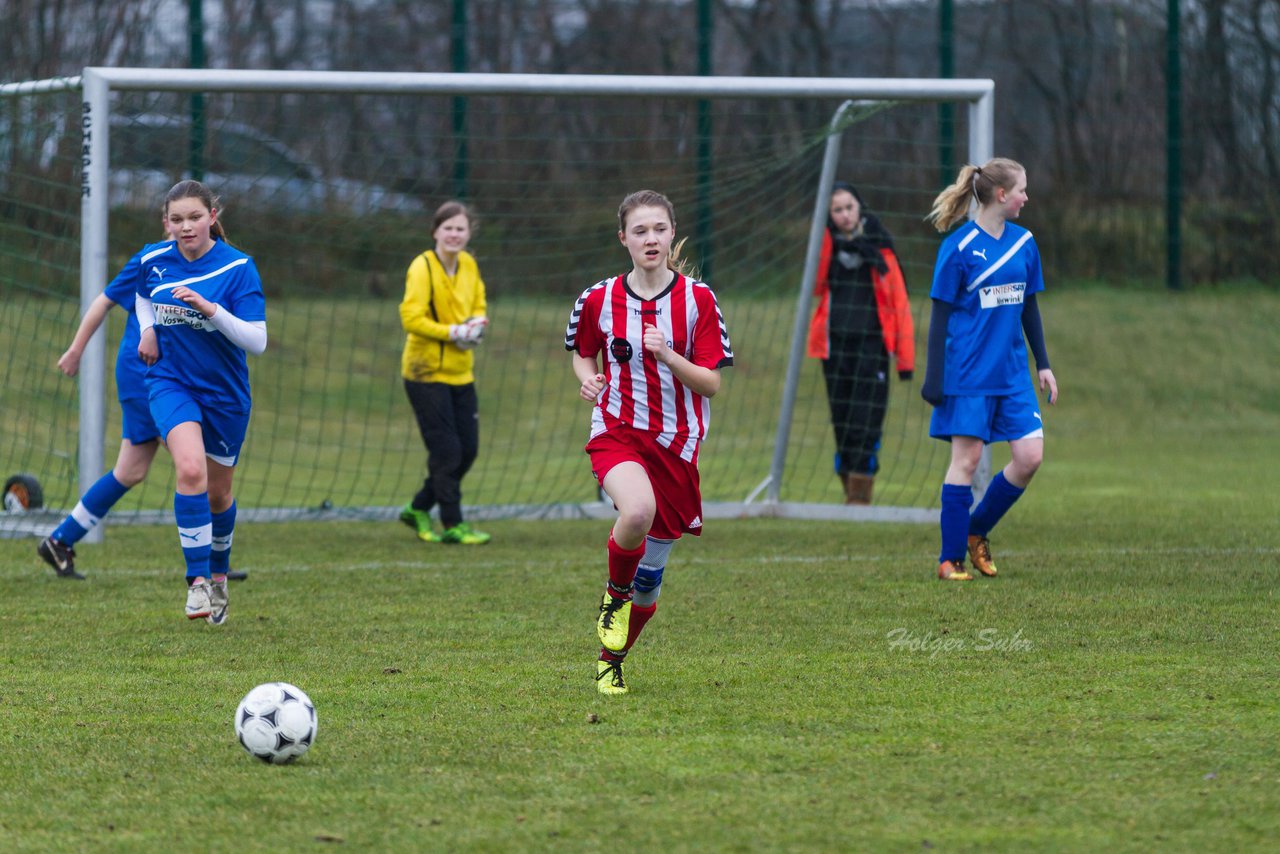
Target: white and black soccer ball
(276,722)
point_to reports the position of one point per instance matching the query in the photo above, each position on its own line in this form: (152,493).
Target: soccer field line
(255,571)
(682,561)
(1259,551)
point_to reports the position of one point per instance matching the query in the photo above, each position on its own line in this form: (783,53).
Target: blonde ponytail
(975,184)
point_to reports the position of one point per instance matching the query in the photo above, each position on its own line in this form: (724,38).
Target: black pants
(449,420)
(857,375)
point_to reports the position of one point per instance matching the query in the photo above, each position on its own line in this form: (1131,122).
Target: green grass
(805,686)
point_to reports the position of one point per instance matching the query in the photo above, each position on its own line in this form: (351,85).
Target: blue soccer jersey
(130,369)
(193,353)
(986,279)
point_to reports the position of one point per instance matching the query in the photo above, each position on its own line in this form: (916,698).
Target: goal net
(330,181)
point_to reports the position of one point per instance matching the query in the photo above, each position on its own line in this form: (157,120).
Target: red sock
(622,568)
(640,614)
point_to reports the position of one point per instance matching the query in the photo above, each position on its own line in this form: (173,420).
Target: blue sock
(1001,495)
(195,531)
(90,509)
(224,526)
(956,501)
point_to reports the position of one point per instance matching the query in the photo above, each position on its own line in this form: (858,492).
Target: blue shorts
(224,431)
(991,418)
(138,427)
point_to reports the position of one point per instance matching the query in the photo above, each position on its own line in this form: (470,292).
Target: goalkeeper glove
(468,334)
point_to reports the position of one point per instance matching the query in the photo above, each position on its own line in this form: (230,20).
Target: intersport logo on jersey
(174,315)
(998,295)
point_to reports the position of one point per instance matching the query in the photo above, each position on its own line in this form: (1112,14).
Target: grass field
(804,687)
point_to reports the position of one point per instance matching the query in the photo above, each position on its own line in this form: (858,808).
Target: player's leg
(965,423)
(466,421)
(674,484)
(137,450)
(648,586)
(957,498)
(224,435)
(627,485)
(838,376)
(222,518)
(644,604)
(427,412)
(191,510)
(178,418)
(870,393)
(1003,492)
(1016,416)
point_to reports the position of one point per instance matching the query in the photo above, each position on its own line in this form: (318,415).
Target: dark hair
(448,211)
(848,188)
(845,186)
(654,199)
(976,183)
(195,190)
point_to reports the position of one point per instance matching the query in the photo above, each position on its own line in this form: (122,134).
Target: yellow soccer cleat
(420,521)
(463,534)
(609,677)
(980,555)
(952,570)
(614,622)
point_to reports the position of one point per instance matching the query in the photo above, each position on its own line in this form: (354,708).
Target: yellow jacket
(434,301)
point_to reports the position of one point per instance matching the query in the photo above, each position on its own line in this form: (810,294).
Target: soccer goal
(329,179)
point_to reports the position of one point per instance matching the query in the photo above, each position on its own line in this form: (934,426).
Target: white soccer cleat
(198,604)
(217,602)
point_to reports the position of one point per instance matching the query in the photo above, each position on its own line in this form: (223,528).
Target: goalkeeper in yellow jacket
(444,318)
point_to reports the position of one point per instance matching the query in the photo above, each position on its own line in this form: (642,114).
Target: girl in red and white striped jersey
(647,349)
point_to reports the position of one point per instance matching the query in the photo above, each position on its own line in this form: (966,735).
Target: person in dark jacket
(862,318)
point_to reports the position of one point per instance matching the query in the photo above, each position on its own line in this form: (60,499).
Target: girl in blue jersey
(200,310)
(141,437)
(984,300)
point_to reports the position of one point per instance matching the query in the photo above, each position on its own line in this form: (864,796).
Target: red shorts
(674,481)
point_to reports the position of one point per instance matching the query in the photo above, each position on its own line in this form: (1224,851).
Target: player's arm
(415,308)
(904,349)
(948,278)
(587,370)
(248,335)
(936,359)
(699,380)
(1033,328)
(69,362)
(480,305)
(148,346)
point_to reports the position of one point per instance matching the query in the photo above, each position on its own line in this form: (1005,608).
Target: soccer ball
(276,722)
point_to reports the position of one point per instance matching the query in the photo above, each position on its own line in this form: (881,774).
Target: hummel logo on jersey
(696,523)
(981,253)
(647,312)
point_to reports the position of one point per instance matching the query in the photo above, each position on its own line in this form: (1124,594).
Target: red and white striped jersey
(640,392)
